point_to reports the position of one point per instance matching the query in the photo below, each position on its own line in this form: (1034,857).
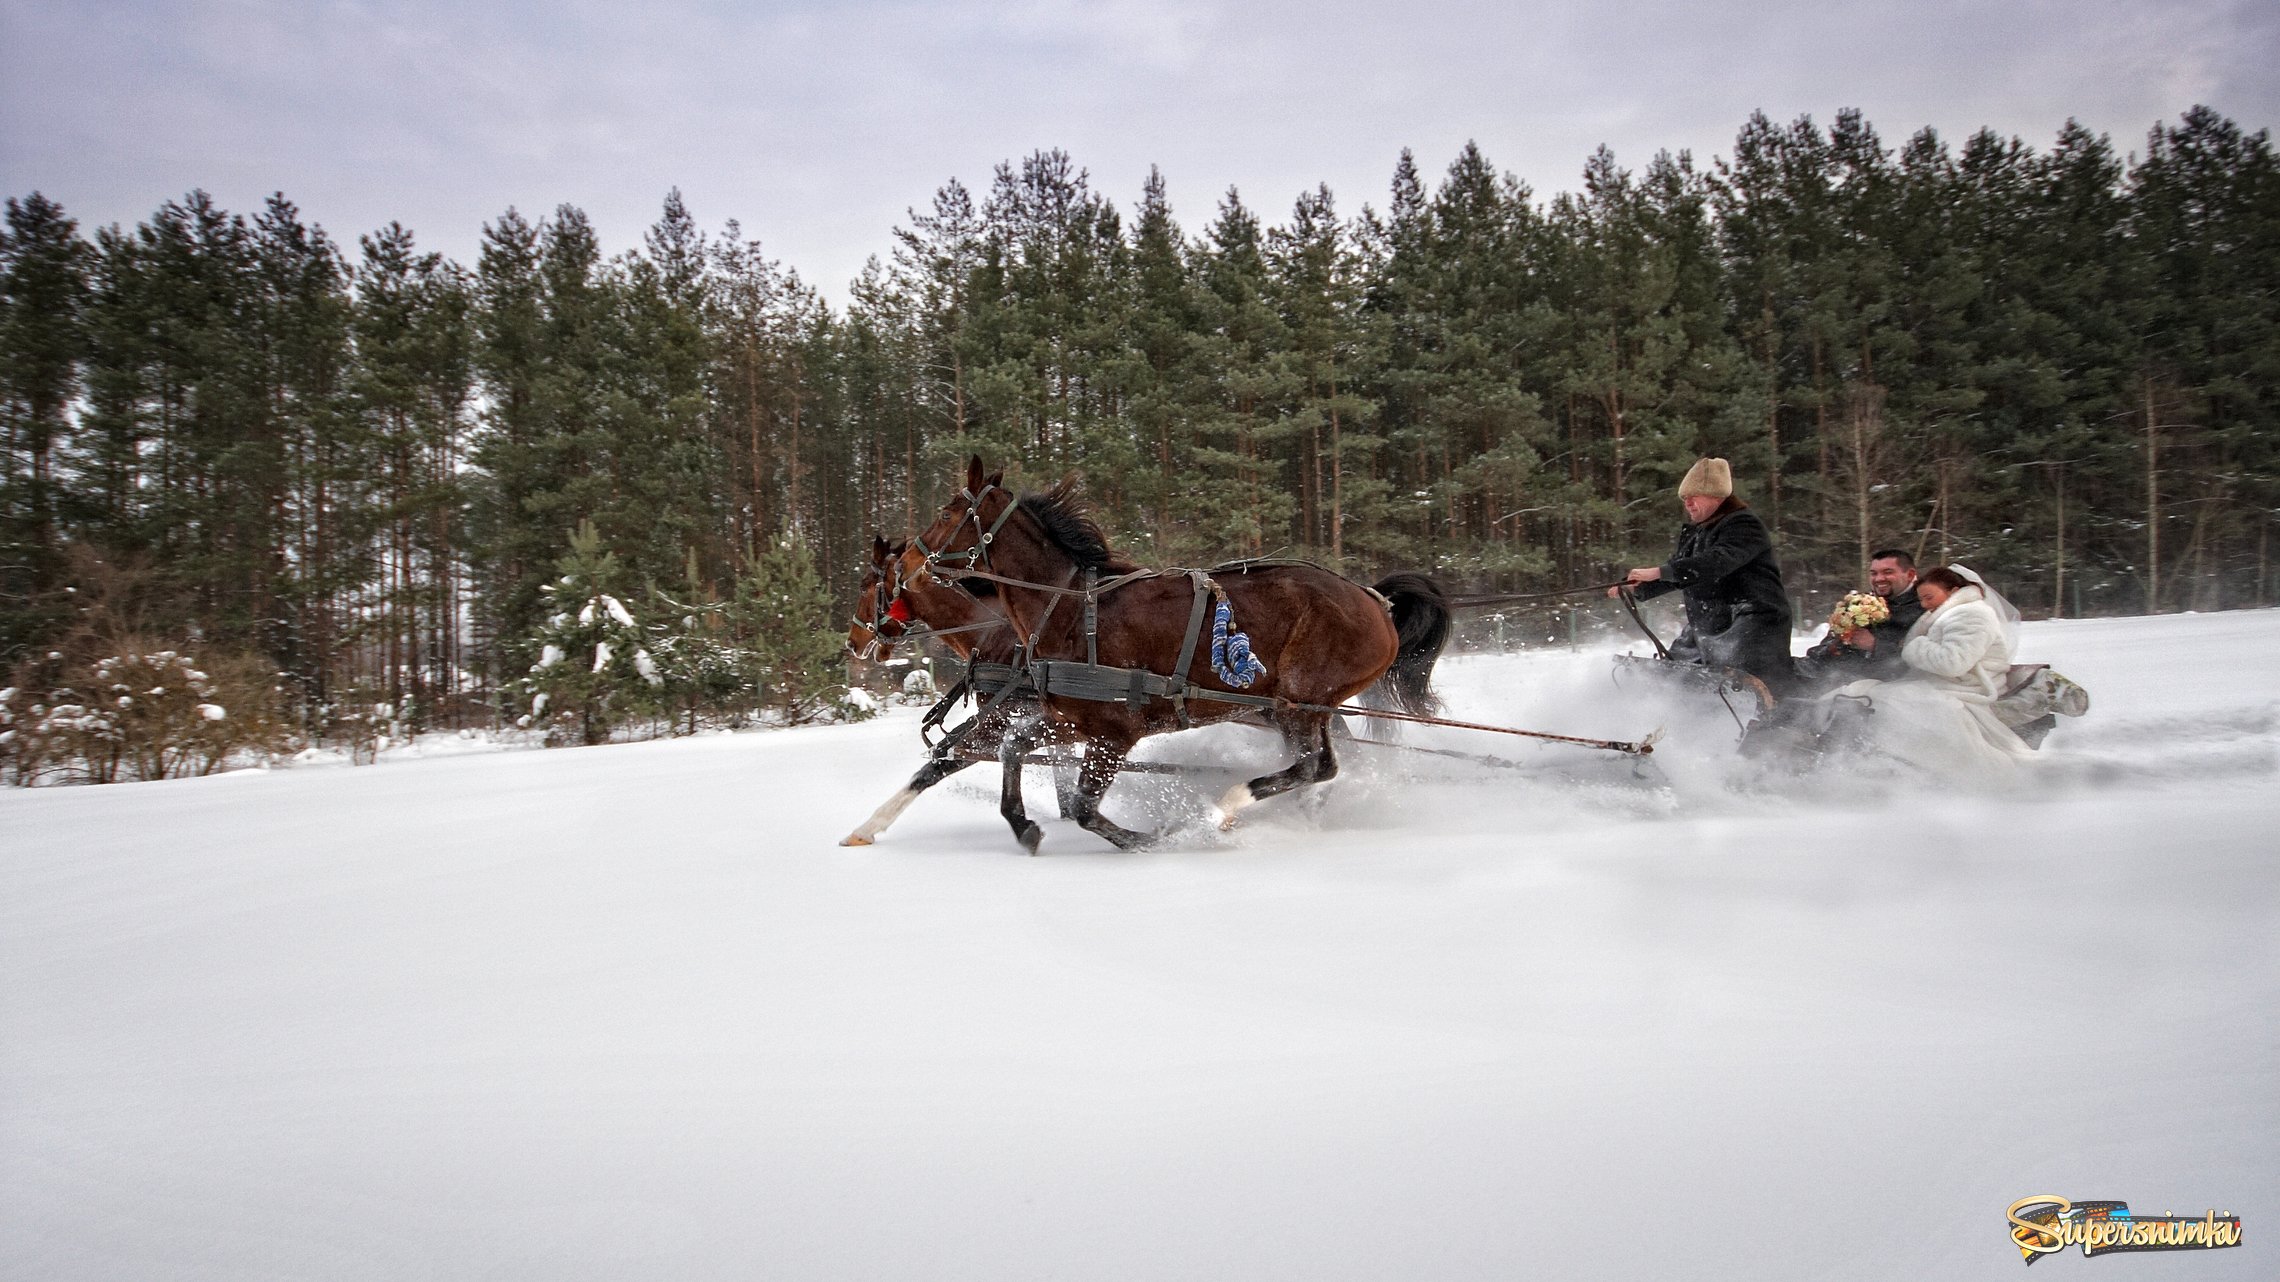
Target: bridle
(878,646)
(975,560)
(976,557)
(887,605)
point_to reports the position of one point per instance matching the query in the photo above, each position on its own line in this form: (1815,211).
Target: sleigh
(1745,696)
(2034,696)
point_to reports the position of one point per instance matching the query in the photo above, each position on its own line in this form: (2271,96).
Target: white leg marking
(1232,804)
(880,818)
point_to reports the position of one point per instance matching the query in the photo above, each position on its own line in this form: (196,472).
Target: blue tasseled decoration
(1231,651)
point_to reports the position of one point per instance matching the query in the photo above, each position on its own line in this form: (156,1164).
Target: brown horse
(977,631)
(1323,638)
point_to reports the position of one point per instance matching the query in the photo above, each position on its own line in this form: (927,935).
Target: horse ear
(878,550)
(974,474)
(996,479)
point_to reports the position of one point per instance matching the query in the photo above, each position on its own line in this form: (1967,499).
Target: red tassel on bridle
(899,610)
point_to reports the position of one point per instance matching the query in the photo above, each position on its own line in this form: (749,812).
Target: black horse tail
(1421,620)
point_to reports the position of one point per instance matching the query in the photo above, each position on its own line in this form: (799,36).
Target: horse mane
(1068,523)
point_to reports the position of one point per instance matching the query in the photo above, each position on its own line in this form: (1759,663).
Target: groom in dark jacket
(1873,651)
(1737,612)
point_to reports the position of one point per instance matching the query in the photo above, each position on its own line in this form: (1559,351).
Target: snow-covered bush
(362,724)
(918,686)
(139,715)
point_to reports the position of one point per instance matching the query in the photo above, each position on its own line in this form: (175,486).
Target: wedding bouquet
(1858,610)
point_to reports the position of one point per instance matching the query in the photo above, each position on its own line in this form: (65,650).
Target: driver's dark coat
(1726,567)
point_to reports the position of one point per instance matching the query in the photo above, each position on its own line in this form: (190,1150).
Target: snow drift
(630,1012)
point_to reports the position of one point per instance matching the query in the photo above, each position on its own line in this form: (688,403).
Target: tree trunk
(2058,552)
(1866,421)
(2152,504)
(1338,489)
(1772,418)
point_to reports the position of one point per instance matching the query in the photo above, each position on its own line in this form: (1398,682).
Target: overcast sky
(817,124)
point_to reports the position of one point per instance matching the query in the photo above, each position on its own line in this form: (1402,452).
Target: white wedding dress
(1940,717)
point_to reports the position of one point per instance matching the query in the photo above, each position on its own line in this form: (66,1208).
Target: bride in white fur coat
(1940,717)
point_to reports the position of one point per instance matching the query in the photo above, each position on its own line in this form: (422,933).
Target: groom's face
(1888,577)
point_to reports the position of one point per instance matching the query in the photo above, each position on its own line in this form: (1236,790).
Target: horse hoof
(854,839)
(1031,838)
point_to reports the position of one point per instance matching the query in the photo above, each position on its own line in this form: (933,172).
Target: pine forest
(375,485)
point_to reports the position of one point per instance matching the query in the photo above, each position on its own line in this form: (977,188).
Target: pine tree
(934,264)
(782,619)
(1162,378)
(44,293)
(593,669)
(511,552)
(546,451)
(413,384)
(701,669)
(1318,288)
(1238,490)
(1404,311)
(667,498)
(763,325)
(2202,203)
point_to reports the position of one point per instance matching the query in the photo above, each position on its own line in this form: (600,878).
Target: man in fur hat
(1737,612)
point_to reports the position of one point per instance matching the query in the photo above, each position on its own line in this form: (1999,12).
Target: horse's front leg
(930,774)
(1309,737)
(1020,736)
(1102,760)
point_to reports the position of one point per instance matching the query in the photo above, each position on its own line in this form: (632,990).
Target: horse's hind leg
(1102,761)
(930,774)
(1309,737)
(1065,774)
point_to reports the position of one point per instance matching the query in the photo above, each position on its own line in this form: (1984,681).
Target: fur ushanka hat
(1709,478)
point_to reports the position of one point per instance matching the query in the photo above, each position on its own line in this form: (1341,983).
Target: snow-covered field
(630,1012)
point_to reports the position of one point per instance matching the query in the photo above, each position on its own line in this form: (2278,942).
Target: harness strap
(1069,679)
(1203,590)
(940,712)
(990,535)
(1092,616)
(1129,576)
(1037,633)
(1105,586)
(989,685)
(982,711)
(921,632)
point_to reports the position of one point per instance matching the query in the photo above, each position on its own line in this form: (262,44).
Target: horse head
(879,623)
(959,539)
(892,599)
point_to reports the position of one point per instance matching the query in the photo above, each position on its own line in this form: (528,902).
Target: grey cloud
(817,124)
